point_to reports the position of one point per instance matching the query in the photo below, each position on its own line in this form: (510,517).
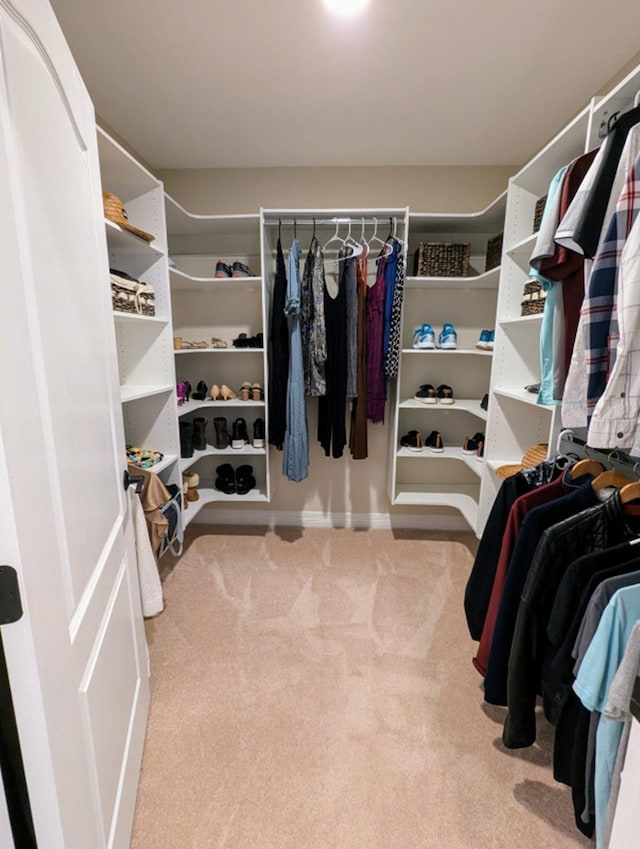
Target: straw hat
(534,455)
(114,210)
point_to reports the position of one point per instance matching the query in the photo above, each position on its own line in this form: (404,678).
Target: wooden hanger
(630,492)
(609,478)
(586,467)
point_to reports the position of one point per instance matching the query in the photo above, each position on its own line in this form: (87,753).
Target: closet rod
(326,222)
(570,445)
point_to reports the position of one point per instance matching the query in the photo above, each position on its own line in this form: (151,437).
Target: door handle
(132,480)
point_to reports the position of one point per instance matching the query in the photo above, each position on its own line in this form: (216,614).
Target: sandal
(257,392)
(218,343)
(245,391)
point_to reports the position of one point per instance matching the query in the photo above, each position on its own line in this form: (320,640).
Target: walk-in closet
(320,441)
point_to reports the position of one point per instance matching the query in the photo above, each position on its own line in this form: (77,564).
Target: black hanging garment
(332,407)
(279,361)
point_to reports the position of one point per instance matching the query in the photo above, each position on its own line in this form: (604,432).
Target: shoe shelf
(475,352)
(245,451)
(213,496)
(219,351)
(181,281)
(130,317)
(126,242)
(523,396)
(463,498)
(522,320)
(448,454)
(466,405)
(486,280)
(194,406)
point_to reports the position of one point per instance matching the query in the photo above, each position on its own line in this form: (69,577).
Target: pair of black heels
(239,481)
(243,340)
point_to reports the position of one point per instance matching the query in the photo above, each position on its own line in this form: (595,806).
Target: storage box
(534,298)
(537,216)
(442,259)
(132,296)
(494,252)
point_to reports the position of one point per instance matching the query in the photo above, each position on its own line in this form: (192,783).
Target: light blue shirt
(597,671)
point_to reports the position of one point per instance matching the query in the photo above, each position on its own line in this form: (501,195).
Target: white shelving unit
(452,478)
(516,421)
(144,343)
(204,307)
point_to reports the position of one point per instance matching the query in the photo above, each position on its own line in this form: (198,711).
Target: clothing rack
(328,222)
(570,445)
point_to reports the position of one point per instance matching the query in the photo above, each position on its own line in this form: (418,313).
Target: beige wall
(424,189)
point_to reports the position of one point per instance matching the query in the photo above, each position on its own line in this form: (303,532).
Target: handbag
(172,511)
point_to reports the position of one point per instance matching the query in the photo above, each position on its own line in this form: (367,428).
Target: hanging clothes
(332,407)
(376,387)
(279,360)
(314,338)
(351,286)
(392,359)
(390,269)
(295,462)
(358,433)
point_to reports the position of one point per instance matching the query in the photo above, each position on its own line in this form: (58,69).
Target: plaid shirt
(616,420)
(599,307)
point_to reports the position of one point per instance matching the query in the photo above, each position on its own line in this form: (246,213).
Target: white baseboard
(319,519)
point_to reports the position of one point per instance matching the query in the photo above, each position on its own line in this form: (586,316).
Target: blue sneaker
(485,342)
(424,337)
(448,338)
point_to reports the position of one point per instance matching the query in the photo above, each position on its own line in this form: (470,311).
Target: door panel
(77,660)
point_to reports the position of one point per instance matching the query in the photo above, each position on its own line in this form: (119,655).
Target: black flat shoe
(226,480)
(245,480)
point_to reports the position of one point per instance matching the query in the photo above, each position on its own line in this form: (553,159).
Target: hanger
(609,478)
(586,467)
(375,237)
(395,234)
(363,241)
(350,242)
(279,229)
(630,492)
(334,238)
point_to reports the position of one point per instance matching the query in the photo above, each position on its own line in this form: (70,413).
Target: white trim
(319,519)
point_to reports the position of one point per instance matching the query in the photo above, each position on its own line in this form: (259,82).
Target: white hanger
(334,238)
(350,242)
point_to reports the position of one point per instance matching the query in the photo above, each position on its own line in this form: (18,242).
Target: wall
(349,491)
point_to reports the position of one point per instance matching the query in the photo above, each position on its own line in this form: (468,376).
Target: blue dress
(295,462)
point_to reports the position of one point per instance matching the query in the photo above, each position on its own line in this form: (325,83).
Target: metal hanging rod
(310,221)
(570,445)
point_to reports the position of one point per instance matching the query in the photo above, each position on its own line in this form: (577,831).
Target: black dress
(332,407)
(279,360)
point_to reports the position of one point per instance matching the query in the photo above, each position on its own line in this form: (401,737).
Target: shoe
(245,480)
(257,341)
(480,451)
(241,341)
(533,387)
(445,394)
(412,441)
(472,443)
(182,392)
(426,394)
(227,394)
(216,342)
(424,337)
(259,440)
(434,442)
(186,439)
(485,342)
(448,338)
(214,392)
(226,480)
(485,401)
(244,393)
(192,480)
(222,438)
(200,434)
(238,269)
(239,435)
(201,392)
(257,392)
(222,269)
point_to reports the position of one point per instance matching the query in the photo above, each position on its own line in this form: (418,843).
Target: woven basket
(132,296)
(539,210)
(114,210)
(534,298)
(442,259)
(494,252)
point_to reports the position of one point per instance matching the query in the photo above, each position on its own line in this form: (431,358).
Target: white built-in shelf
(134,393)
(488,280)
(524,397)
(181,281)
(465,405)
(226,453)
(522,320)
(219,351)
(125,242)
(194,406)
(166,461)
(469,460)
(510,461)
(122,175)
(212,496)
(487,220)
(462,497)
(476,352)
(183,223)
(522,250)
(127,317)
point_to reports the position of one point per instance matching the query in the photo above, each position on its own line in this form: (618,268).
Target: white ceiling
(239,83)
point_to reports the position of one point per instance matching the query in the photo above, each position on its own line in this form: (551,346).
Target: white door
(77,659)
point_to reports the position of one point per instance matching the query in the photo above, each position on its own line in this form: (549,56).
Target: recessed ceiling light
(345,7)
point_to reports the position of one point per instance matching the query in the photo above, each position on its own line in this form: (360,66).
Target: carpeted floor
(314,690)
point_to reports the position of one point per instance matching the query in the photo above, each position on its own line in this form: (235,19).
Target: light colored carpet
(314,690)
